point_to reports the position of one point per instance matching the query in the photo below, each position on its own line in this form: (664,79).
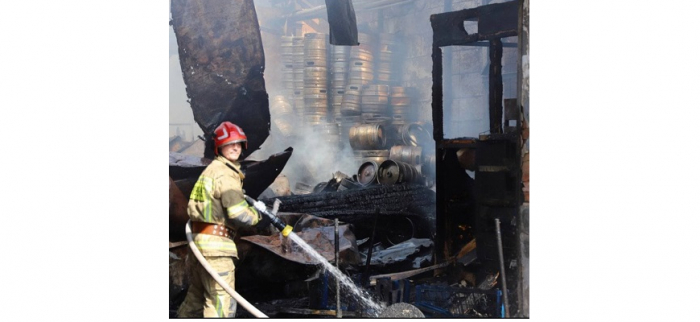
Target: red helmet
(227,133)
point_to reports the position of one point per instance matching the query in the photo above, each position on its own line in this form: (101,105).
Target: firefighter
(216,208)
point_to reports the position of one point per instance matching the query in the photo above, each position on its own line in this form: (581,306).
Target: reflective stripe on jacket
(217,198)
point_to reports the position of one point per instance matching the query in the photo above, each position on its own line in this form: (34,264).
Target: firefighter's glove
(260,205)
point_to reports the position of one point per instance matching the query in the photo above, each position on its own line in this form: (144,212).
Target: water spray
(286,230)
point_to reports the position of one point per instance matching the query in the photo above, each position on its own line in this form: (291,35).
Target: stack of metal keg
(287,66)
(400,104)
(339,74)
(375,101)
(368,142)
(360,73)
(362,61)
(298,66)
(315,78)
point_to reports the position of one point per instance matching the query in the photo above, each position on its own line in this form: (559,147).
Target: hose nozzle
(281,226)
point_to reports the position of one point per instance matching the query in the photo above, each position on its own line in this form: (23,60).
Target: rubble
(400,252)
(317,232)
(412,201)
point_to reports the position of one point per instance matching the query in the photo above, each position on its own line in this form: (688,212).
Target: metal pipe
(400,2)
(359,6)
(503,269)
(338,310)
(365,275)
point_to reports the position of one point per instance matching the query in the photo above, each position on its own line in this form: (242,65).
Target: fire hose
(243,302)
(283,228)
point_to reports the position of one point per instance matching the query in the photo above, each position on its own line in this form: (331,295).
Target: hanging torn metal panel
(222,61)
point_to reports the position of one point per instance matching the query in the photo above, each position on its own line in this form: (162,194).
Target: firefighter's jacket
(217,198)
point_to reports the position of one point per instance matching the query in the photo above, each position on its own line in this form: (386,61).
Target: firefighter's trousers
(205,297)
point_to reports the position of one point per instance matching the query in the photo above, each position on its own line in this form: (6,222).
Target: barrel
(413,134)
(337,101)
(359,54)
(286,48)
(399,102)
(315,50)
(339,75)
(311,90)
(377,156)
(315,104)
(297,44)
(360,67)
(361,63)
(375,99)
(359,75)
(315,77)
(298,55)
(315,59)
(350,105)
(298,78)
(339,80)
(396,172)
(367,173)
(315,108)
(367,137)
(298,63)
(408,154)
(384,73)
(340,53)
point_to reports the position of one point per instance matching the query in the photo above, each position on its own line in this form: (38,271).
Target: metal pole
(503,269)
(365,275)
(338,310)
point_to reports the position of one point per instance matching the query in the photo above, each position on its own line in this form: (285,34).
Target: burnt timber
(497,180)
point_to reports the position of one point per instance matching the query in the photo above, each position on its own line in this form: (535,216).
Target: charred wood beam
(488,43)
(391,198)
(457,143)
(437,95)
(495,86)
(406,274)
(494,21)
(317,312)
(439,152)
